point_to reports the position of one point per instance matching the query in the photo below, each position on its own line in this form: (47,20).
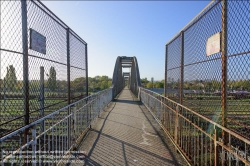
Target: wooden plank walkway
(126,134)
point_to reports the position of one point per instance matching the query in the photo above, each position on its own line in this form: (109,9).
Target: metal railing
(62,132)
(195,136)
(35,82)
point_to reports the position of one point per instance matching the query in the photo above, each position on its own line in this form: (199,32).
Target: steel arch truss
(119,77)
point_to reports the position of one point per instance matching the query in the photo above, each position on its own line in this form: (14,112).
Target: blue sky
(126,28)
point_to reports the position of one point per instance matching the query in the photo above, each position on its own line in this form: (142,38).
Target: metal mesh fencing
(35,83)
(238,69)
(173,68)
(77,68)
(216,86)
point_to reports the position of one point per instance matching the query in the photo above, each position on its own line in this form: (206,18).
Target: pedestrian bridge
(124,125)
(125,133)
(48,118)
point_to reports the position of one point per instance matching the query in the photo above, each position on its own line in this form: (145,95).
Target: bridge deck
(126,134)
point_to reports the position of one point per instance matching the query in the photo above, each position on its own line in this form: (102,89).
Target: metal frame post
(166,72)
(42,97)
(68,78)
(74,125)
(34,143)
(224,72)
(224,63)
(176,124)
(181,84)
(68,65)
(182,67)
(216,149)
(25,65)
(86,64)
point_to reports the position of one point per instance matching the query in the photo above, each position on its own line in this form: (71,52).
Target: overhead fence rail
(43,64)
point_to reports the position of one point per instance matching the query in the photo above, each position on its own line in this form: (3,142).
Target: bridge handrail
(205,129)
(51,114)
(83,113)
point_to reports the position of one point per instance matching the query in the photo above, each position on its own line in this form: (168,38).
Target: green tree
(109,83)
(104,85)
(98,83)
(63,85)
(10,79)
(159,85)
(144,82)
(78,83)
(104,78)
(52,85)
(149,85)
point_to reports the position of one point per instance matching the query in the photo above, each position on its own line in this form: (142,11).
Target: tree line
(97,83)
(148,84)
(51,83)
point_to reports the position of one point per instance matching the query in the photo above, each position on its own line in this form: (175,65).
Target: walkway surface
(126,134)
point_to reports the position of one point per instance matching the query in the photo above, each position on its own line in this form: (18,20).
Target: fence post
(74,126)
(166,72)
(4,96)
(224,72)
(34,142)
(165,114)
(86,63)
(181,84)
(216,150)
(90,113)
(41,98)
(176,124)
(68,79)
(25,65)
(68,64)
(182,67)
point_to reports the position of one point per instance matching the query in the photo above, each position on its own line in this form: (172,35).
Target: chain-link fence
(215,85)
(43,64)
